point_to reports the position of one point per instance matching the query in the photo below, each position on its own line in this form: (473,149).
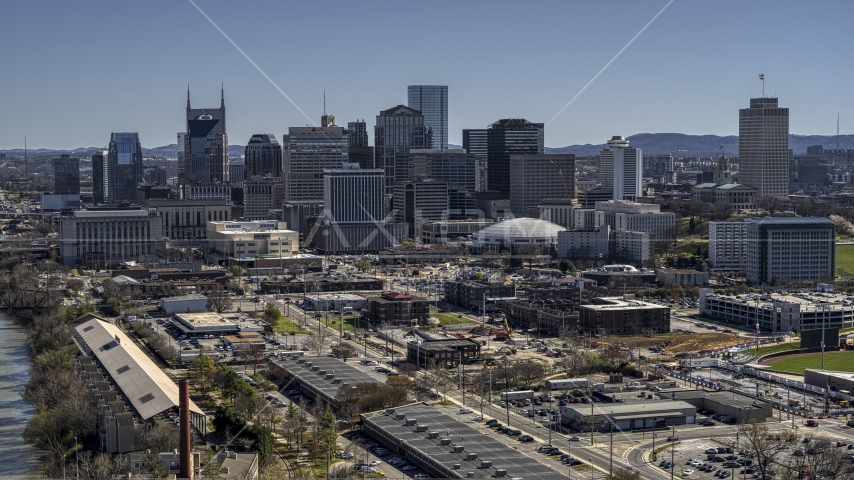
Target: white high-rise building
(763,147)
(621,169)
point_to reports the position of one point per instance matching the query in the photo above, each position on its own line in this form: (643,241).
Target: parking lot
(724,457)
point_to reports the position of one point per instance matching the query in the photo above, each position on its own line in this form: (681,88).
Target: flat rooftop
(473,440)
(727,397)
(618,303)
(808,301)
(622,409)
(344,373)
(205,319)
(184,298)
(335,296)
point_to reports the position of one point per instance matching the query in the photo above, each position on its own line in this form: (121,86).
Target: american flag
(761,76)
(722,146)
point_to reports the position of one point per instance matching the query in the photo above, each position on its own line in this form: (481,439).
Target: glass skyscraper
(100,176)
(763,147)
(66,175)
(432,102)
(124,167)
(397,131)
(510,136)
(263,157)
(206,144)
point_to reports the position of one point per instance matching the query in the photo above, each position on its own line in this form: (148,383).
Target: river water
(20,460)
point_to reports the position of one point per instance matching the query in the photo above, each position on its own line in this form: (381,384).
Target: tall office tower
(262,197)
(236,172)
(432,102)
(66,175)
(263,156)
(474,142)
(535,178)
(100,176)
(397,131)
(352,219)
(510,136)
(206,144)
(124,167)
(621,169)
(416,202)
(308,152)
(358,132)
(179,148)
(351,194)
(763,147)
(359,152)
(454,167)
(655,166)
(154,175)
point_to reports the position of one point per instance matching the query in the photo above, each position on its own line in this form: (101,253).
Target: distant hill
(681,145)
(677,144)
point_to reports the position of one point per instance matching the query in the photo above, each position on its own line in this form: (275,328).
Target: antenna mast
(26,165)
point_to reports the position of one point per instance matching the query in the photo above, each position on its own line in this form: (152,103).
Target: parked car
(526,438)
(465,410)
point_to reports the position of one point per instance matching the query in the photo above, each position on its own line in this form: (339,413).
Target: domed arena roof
(519,230)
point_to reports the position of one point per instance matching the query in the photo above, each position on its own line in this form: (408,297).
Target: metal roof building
(142,382)
(448,448)
(321,377)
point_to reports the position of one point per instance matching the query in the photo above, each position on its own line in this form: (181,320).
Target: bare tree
(219,302)
(319,340)
(755,436)
(344,350)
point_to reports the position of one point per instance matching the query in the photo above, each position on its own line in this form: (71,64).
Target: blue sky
(72,72)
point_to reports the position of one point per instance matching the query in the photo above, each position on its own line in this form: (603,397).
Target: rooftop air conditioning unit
(421,428)
(459,448)
(433,435)
(399,416)
(471,456)
(500,472)
(486,464)
(445,441)
(410,422)
(456,466)
(389,411)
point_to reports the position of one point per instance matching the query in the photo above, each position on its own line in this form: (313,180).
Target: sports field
(845,259)
(841,361)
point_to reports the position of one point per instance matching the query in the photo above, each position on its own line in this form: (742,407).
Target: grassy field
(777,348)
(286,325)
(845,259)
(451,319)
(841,361)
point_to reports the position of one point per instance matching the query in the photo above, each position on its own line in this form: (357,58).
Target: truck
(698,362)
(520,395)
(567,384)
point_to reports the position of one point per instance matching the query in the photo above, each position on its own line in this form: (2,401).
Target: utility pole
(654,455)
(611,449)
(672,448)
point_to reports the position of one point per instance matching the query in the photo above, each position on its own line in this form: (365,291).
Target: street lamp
(505,359)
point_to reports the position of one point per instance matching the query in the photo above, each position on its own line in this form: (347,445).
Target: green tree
(237,271)
(363,265)
(477,276)
(563,266)
(204,368)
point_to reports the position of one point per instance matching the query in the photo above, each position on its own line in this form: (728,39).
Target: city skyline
(683,58)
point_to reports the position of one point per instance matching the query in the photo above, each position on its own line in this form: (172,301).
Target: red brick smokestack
(185,462)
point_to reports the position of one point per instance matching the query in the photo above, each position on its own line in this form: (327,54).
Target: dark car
(503,429)
(554,451)
(514,432)
(721,449)
(492,423)
(526,438)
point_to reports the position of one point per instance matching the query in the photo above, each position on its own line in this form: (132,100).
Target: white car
(368,469)
(421,475)
(407,468)
(465,410)
(687,472)
(375,463)
(479,417)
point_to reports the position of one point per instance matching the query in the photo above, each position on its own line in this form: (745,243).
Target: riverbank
(15,412)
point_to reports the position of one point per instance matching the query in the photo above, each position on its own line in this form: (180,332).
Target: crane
(562,179)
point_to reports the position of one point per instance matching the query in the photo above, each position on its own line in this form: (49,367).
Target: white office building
(101,237)
(583,243)
(634,247)
(251,239)
(621,169)
(635,217)
(728,245)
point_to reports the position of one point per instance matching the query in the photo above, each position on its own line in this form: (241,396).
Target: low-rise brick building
(551,317)
(623,315)
(446,353)
(397,308)
(469,294)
